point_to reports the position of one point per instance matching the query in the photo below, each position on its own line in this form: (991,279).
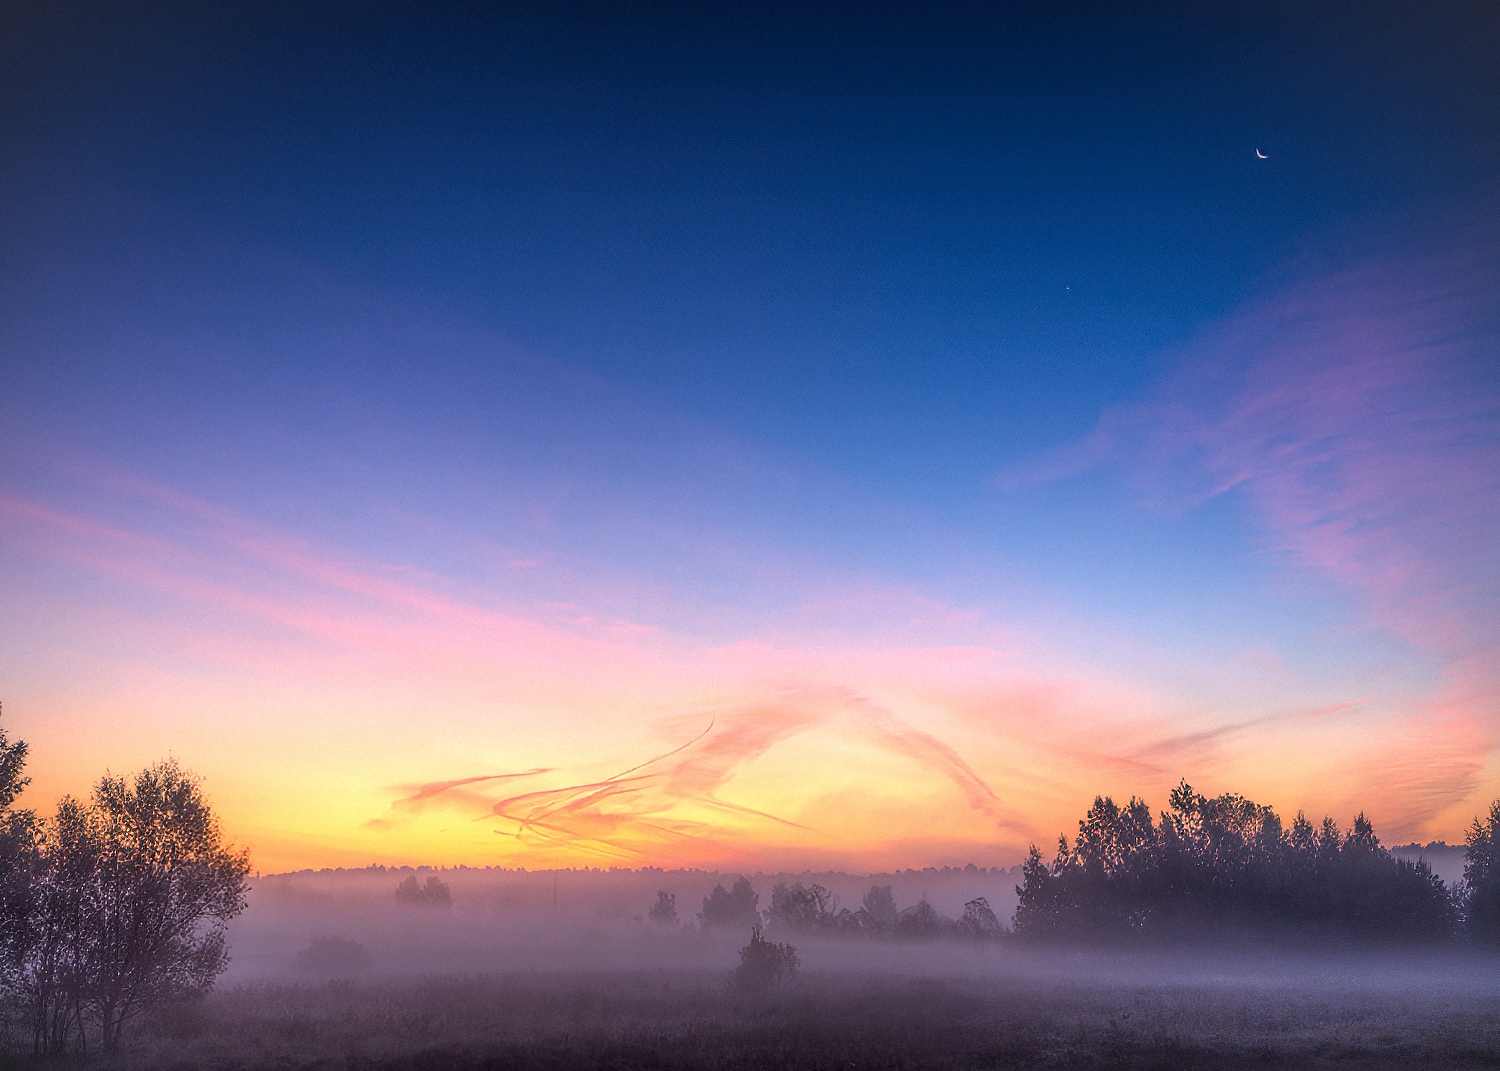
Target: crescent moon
(1262,155)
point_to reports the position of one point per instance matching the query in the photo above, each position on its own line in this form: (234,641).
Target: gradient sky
(785,436)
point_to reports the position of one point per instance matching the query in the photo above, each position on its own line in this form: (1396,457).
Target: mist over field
(504,920)
(566,969)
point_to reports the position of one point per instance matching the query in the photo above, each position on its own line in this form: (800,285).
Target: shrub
(332,957)
(765,964)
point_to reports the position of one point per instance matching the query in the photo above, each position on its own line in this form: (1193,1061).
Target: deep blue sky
(851,230)
(834,324)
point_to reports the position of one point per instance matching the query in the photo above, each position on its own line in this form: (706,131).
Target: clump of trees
(736,907)
(799,908)
(435,893)
(664,911)
(765,964)
(115,905)
(1227,864)
(1204,867)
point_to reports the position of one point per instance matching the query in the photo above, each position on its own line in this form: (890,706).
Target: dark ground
(685,1020)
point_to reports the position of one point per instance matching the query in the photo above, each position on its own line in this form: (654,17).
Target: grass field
(694,1020)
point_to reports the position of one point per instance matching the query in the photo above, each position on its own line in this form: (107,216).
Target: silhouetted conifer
(1482,876)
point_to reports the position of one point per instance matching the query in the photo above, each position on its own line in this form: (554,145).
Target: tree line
(799,908)
(1204,867)
(1226,864)
(113,906)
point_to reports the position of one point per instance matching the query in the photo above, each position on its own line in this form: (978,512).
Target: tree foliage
(801,908)
(1221,864)
(664,911)
(737,906)
(413,893)
(880,906)
(115,904)
(1482,876)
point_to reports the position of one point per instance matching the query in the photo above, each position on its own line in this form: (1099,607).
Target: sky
(750,436)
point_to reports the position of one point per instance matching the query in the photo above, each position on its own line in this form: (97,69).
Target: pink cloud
(1358,417)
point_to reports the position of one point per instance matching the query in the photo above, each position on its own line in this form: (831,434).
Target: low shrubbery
(765,964)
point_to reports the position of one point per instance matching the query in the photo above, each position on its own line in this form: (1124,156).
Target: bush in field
(735,907)
(1224,864)
(332,957)
(664,912)
(435,893)
(765,964)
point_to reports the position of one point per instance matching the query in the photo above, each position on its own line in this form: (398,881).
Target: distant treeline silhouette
(1229,864)
(1206,867)
(797,908)
(113,906)
(436,893)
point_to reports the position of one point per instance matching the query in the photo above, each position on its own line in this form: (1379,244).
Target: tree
(19,843)
(55,974)
(801,908)
(1227,864)
(1482,876)
(145,867)
(434,894)
(765,964)
(921,920)
(979,921)
(880,905)
(736,907)
(22,895)
(664,913)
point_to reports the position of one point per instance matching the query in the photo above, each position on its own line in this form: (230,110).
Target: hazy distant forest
(115,909)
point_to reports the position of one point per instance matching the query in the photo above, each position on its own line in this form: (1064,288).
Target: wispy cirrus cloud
(1357,417)
(647,808)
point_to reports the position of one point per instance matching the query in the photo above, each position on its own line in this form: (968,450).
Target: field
(1362,1017)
